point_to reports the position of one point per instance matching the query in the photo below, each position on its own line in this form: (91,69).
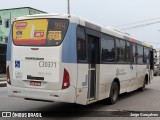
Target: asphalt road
(148,100)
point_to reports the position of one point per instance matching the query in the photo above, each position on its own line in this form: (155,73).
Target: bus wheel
(114,92)
(144,85)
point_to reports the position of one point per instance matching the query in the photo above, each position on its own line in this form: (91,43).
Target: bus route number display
(60,25)
(54,35)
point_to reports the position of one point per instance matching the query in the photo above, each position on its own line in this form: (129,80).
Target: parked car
(156,70)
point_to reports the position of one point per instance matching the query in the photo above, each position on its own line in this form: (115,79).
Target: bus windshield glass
(39,32)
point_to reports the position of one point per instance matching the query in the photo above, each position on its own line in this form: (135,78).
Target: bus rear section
(35,70)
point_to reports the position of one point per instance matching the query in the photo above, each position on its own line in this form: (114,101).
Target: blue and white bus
(69,59)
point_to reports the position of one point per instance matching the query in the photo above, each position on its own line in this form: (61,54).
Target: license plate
(35,83)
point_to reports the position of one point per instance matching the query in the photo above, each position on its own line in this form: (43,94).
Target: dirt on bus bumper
(66,95)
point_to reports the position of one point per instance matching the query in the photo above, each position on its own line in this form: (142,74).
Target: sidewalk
(3,80)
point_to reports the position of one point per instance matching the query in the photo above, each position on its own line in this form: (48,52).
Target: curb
(3,79)
(3,84)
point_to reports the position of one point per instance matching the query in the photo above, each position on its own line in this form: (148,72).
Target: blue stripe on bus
(69,52)
(9,47)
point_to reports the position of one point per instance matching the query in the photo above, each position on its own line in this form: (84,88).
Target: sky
(104,12)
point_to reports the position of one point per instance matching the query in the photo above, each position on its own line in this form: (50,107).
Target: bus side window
(134,54)
(121,51)
(146,56)
(81,45)
(107,49)
(140,54)
(128,52)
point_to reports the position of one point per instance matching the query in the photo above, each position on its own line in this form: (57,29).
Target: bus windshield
(39,32)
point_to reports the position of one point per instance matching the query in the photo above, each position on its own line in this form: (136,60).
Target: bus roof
(104,29)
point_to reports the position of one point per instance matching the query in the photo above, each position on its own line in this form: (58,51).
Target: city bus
(64,58)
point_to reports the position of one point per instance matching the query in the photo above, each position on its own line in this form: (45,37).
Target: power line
(137,22)
(139,26)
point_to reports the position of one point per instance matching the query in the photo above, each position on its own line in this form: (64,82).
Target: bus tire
(114,92)
(144,85)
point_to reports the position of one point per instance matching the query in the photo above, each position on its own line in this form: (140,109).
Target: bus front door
(93,58)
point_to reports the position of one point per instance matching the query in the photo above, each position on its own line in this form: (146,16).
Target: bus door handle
(34,48)
(92,69)
(131,67)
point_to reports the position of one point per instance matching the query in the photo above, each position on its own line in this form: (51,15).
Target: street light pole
(69,7)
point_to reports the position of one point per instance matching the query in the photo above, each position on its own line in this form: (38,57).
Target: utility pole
(69,7)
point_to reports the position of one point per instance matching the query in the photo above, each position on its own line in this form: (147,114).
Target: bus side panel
(82,84)
(109,72)
(141,72)
(106,77)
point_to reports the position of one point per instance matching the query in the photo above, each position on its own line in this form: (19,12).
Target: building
(6,18)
